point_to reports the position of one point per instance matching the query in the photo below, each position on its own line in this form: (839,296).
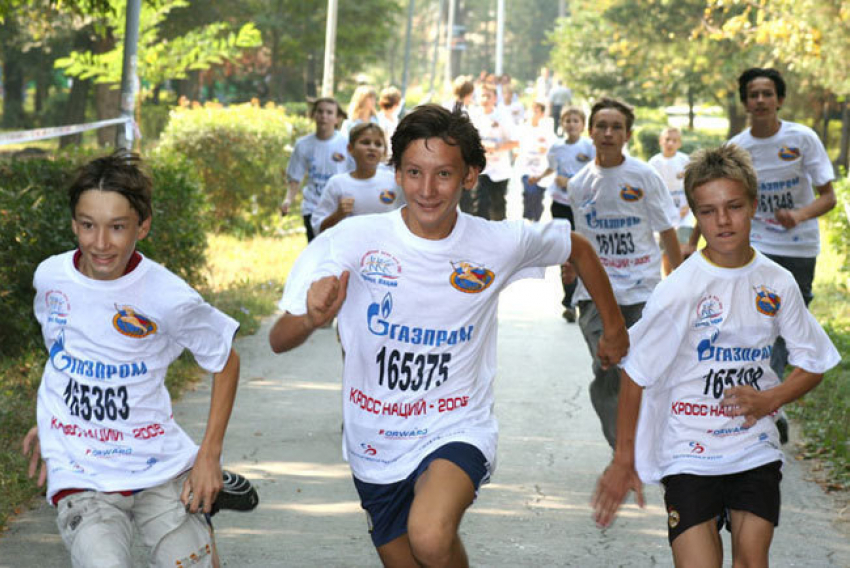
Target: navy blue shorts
(388,506)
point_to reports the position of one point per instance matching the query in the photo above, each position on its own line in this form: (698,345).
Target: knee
(431,543)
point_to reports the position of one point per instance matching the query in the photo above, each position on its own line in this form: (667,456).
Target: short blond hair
(728,161)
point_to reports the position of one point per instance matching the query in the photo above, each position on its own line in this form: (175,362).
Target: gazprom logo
(65,363)
(378,323)
(708,351)
(379,326)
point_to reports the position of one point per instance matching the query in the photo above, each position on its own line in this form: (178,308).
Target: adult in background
(389,102)
(362,108)
(559,97)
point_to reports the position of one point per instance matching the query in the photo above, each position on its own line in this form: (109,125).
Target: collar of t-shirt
(131,265)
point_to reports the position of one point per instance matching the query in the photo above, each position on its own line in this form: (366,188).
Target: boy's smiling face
(107,228)
(433,175)
(724,213)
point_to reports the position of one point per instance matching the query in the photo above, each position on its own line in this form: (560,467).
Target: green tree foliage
(158,59)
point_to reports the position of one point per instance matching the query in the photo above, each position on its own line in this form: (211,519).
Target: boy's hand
(532,180)
(612,488)
(32,444)
(562,181)
(325,298)
(346,206)
(787,218)
(748,402)
(568,273)
(203,484)
(613,346)
(284,207)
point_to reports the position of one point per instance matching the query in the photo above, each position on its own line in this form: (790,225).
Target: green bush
(35,223)
(240,153)
(152,121)
(838,225)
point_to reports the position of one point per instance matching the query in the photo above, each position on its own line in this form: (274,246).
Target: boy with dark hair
(792,166)
(113,321)
(697,392)
(318,157)
(415,292)
(619,203)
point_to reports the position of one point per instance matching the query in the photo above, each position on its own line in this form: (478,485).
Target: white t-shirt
(104,415)
(497,128)
(788,165)
(418,328)
(566,160)
(534,144)
(708,328)
(672,171)
(378,194)
(515,110)
(319,160)
(618,209)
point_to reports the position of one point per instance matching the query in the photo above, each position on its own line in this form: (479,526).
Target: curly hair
(755,73)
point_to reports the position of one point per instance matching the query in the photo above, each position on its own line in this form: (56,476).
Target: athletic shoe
(237,494)
(569,314)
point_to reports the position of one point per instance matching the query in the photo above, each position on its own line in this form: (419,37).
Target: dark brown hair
(120,172)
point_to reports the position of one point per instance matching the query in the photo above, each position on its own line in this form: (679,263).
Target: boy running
(619,203)
(534,142)
(670,164)
(415,292)
(113,321)
(565,159)
(697,389)
(317,156)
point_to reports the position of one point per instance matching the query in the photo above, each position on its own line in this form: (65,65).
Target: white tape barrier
(22,136)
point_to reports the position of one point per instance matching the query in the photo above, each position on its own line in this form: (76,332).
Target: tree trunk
(827,110)
(843,160)
(13,89)
(737,120)
(107,97)
(691,117)
(75,110)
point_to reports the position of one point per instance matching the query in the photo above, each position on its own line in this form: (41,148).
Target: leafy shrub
(240,153)
(152,121)
(35,224)
(838,224)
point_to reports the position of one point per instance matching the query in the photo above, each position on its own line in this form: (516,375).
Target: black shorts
(388,506)
(695,499)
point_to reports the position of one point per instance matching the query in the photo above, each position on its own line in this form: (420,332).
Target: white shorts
(97,528)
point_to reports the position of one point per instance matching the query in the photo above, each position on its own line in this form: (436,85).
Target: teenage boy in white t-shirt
(565,159)
(415,292)
(698,393)
(670,165)
(619,204)
(318,157)
(113,321)
(534,142)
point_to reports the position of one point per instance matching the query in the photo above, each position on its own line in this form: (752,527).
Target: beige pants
(98,528)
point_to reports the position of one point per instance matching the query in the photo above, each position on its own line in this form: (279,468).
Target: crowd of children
(686,397)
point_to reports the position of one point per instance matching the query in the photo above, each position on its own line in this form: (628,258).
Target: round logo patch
(387,197)
(673,518)
(127,321)
(788,153)
(768,302)
(470,278)
(629,193)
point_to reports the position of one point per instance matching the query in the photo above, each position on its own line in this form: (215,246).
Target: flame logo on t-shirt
(789,154)
(470,278)
(387,197)
(131,323)
(629,193)
(768,302)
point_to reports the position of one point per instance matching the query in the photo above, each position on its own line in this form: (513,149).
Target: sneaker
(569,314)
(237,494)
(782,426)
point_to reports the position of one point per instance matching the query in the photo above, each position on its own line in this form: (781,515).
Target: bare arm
(534,179)
(671,247)
(324,299)
(755,404)
(343,210)
(205,480)
(615,339)
(291,191)
(32,446)
(823,204)
(620,476)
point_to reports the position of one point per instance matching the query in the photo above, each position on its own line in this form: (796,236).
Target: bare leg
(699,547)
(397,554)
(751,537)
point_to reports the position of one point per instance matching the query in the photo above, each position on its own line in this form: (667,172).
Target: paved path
(285,435)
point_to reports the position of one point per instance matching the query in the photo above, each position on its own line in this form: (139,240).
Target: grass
(245,280)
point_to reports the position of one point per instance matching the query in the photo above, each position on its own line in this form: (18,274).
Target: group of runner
(413,282)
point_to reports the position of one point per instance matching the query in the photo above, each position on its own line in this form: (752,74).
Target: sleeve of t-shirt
(315,262)
(809,347)
(296,169)
(653,341)
(816,161)
(544,244)
(205,331)
(552,159)
(326,206)
(662,211)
